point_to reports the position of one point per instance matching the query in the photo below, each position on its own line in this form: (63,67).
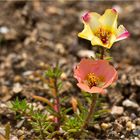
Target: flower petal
(86,33)
(122,33)
(96,41)
(111,41)
(112,79)
(94,21)
(104,69)
(91,23)
(86,88)
(109,19)
(85,66)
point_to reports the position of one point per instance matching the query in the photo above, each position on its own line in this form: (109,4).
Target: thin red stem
(57,103)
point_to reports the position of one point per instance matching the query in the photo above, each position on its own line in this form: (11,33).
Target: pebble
(130,126)
(14,138)
(97,126)
(136,132)
(2,105)
(19,124)
(4,30)
(86,53)
(17,88)
(136,138)
(117,110)
(66,86)
(105,126)
(63,76)
(138,121)
(133,116)
(4,89)
(118,127)
(137,81)
(27,73)
(128,103)
(122,137)
(123,79)
(17,78)
(2,130)
(60,48)
(20,132)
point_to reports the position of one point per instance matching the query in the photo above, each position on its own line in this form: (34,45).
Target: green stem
(91,110)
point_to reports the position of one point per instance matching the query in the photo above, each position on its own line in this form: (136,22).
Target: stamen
(104,35)
(92,80)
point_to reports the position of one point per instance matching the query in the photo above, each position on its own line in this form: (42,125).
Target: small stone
(117,110)
(136,138)
(133,116)
(2,73)
(20,132)
(122,137)
(2,130)
(118,127)
(123,78)
(14,138)
(4,30)
(52,10)
(17,78)
(128,103)
(2,105)
(19,124)
(40,107)
(60,48)
(66,86)
(97,126)
(17,88)
(130,126)
(27,73)
(138,121)
(137,81)
(63,76)
(86,53)
(105,126)
(4,90)
(136,132)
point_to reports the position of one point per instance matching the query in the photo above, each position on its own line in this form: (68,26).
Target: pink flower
(95,75)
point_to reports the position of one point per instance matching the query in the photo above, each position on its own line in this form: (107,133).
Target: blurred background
(38,33)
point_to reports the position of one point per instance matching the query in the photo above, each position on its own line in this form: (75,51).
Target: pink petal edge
(114,10)
(86,17)
(123,36)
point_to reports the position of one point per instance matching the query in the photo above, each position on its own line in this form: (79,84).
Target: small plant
(94,75)
(39,121)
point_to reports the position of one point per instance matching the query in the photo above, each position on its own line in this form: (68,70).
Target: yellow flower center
(93,80)
(104,35)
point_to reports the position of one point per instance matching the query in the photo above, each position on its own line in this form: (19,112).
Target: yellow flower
(102,30)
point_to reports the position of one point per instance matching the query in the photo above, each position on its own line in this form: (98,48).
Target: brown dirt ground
(45,33)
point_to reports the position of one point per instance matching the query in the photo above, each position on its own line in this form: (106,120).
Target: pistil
(104,35)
